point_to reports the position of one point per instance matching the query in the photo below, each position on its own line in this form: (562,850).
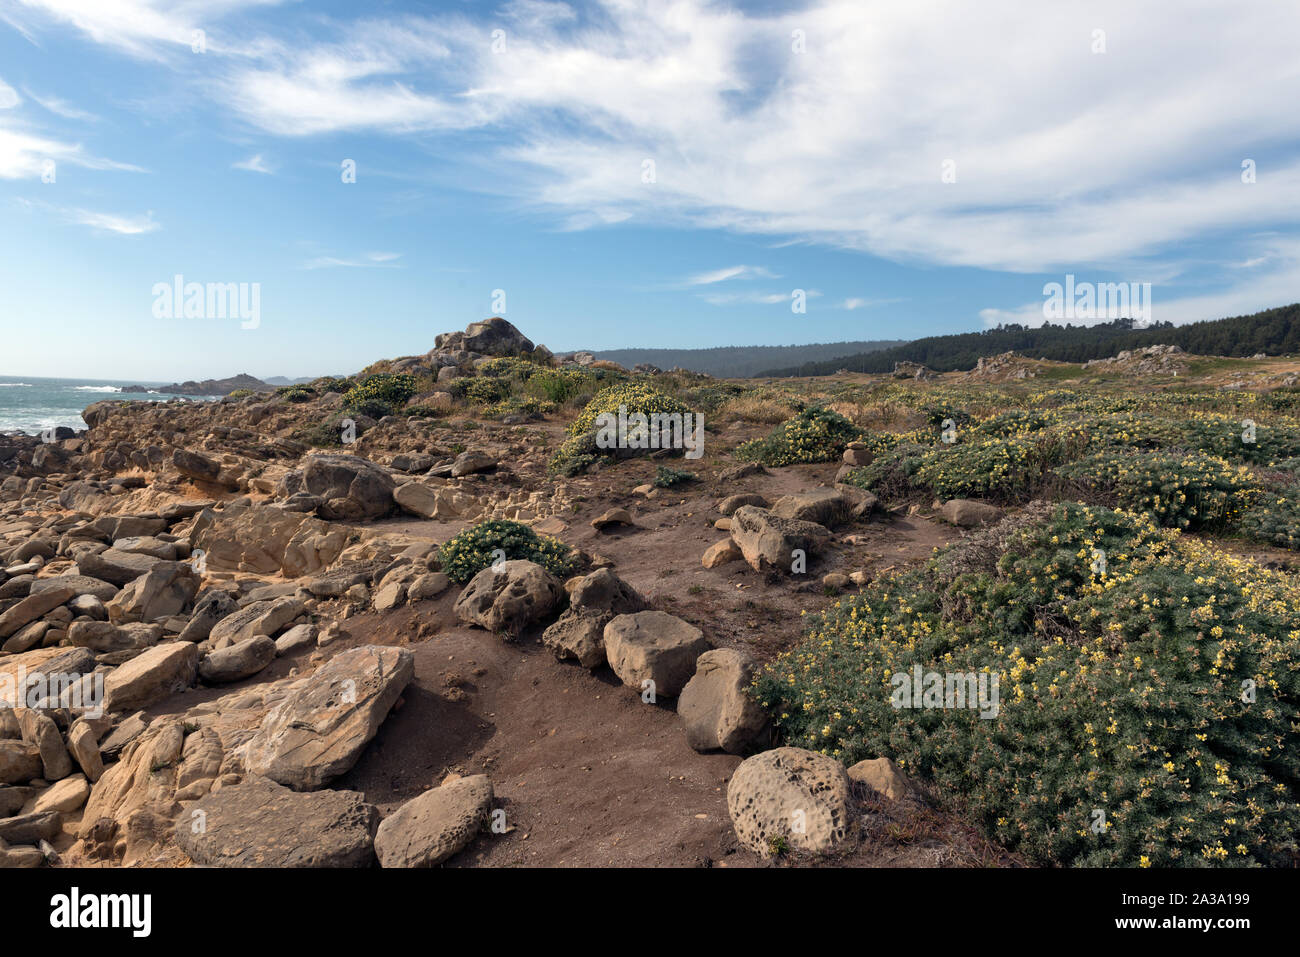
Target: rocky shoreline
(175,550)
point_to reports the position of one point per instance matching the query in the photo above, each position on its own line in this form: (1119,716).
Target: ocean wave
(97,388)
(15,385)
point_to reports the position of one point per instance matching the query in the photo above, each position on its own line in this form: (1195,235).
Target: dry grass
(754,408)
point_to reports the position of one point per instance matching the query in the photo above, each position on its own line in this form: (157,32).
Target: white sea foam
(97,388)
(15,385)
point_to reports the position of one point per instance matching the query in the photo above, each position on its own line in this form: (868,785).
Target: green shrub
(482,391)
(379,394)
(1274,519)
(295,393)
(1120,690)
(635,396)
(507,367)
(518,405)
(560,385)
(1189,491)
(476,548)
(575,455)
(666,477)
(815,434)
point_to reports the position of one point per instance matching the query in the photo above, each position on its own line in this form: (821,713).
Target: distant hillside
(279,380)
(210,386)
(741,361)
(1272,332)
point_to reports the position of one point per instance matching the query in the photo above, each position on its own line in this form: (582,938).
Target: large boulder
(164,590)
(654,646)
(20,761)
(213,607)
(825,506)
(30,678)
(202,468)
(80,585)
(31,608)
(506,598)
(792,797)
(768,542)
(428,829)
(491,337)
(716,706)
(106,637)
(267,617)
(967,513)
(594,600)
(138,796)
(237,662)
(259,823)
(151,676)
(883,776)
(119,568)
(39,729)
(320,728)
(351,488)
(266,540)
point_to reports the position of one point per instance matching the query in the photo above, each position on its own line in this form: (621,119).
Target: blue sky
(795,146)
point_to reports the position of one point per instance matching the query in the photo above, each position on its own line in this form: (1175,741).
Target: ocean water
(29,404)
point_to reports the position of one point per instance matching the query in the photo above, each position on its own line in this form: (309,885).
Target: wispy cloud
(730,272)
(254,164)
(755,298)
(856,303)
(25,155)
(368,260)
(113,223)
(8,96)
(59,107)
(749,135)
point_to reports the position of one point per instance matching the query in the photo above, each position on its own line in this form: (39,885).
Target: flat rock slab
(325,721)
(427,830)
(258,823)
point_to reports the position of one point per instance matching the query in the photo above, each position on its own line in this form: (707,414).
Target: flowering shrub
(1181,491)
(636,396)
(813,435)
(379,394)
(473,549)
(1274,518)
(1148,683)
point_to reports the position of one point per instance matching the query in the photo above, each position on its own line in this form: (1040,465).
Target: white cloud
(1120,156)
(254,164)
(24,155)
(147,29)
(1262,289)
(59,107)
(1064,159)
(112,223)
(856,303)
(368,260)
(755,298)
(8,96)
(730,272)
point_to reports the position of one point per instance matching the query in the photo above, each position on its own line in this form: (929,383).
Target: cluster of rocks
(1007,367)
(784,536)
(1153,360)
(912,370)
(176,547)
